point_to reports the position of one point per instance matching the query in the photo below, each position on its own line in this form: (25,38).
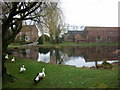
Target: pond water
(74,56)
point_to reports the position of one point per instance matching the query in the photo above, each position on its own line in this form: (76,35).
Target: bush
(105,65)
(40,39)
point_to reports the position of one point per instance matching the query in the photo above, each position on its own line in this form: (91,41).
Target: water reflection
(75,56)
(44,57)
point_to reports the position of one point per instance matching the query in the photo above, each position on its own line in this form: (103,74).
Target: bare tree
(13,14)
(53,22)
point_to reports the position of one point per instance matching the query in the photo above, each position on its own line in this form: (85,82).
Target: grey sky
(91,12)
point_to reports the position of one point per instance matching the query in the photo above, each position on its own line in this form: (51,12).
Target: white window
(26,37)
(27,51)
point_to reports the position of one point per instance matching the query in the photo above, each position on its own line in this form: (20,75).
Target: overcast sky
(91,12)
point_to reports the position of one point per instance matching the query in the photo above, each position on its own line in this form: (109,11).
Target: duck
(13,59)
(61,60)
(6,57)
(42,74)
(37,78)
(22,69)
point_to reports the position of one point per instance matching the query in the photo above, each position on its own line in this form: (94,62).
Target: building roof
(74,32)
(28,27)
(102,28)
(74,27)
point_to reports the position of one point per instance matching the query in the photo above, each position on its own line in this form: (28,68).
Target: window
(108,37)
(27,51)
(26,37)
(98,37)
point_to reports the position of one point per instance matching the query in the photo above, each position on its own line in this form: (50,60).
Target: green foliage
(59,76)
(105,65)
(20,40)
(41,40)
(44,50)
(23,39)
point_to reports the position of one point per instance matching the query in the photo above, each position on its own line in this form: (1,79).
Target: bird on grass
(39,76)
(6,57)
(13,59)
(42,74)
(22,69)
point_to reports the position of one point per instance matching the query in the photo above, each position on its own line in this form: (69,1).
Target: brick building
(102,34)
(75,36)
(93,34)
(29,33)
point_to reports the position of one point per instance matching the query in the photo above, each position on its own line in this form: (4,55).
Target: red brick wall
(102,34)
(80,38)
(30,31)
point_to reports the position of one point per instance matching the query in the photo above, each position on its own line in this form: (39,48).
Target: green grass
(90,44)
(16,45)
(59,76)
(12,45)
(81,44)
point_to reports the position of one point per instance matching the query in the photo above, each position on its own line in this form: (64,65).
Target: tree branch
(26,9)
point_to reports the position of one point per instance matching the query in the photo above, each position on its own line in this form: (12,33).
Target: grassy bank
(91,44)
(12,45)
(59,76)
(81,44)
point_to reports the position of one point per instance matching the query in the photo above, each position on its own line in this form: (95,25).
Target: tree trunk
(4,71)
(6,40)
(96,64)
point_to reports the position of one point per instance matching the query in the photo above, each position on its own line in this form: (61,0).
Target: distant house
(102,34)
(75,36)
(29,33)
(93,34)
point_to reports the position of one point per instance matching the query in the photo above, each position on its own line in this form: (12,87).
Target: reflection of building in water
(80,56)
(101,53)
(53,57)
(31,53)
(92,53)
(89,54)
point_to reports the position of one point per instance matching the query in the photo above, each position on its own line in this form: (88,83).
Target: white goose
(22,69)
(13,59)
(6,57)
(42,74)
(37,78)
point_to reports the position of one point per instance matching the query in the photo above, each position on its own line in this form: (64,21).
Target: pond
(69,55)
